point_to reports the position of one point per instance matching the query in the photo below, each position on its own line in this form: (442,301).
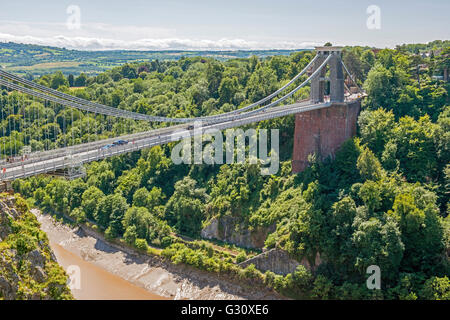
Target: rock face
(277,261)
(28,269)
(227,229)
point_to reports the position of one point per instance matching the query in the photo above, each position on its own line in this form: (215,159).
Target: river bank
(159,279)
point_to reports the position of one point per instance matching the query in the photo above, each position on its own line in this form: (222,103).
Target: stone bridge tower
(323,131)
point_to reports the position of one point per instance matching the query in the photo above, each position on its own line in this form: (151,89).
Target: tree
(155,198)
(339,241)
(280,64)
(101,175)
(421,231)
(416,148)
(184,210)
(371,194)
(368,60)
(128,183)
(71,80)
(227,89)
(383,87)
(58,192)
(214,72)
(111,211)
(147,225)
(139,86)
(322,288)
(376,128)
(140,197)
(130,235)
(368,165)
(436,288)
(378,244)
(59,80)
(140,218)
(77,189)
(90,201)
(128,71)
(142,245)
(80,81)
(261,83)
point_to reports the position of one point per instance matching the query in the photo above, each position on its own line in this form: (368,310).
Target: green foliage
(376,128)
(141,244)
(90,201)
(436,288)
(130,235)
(381,200)
(22,239)
(144,224)
(184,209)
(368,165)
(78,215)
(111,211)
(241,257)
(378,244)
(421,230)
(322,288)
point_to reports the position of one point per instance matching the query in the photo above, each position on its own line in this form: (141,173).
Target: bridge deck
(53,160)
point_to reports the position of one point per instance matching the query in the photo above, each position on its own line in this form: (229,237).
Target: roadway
(52,160)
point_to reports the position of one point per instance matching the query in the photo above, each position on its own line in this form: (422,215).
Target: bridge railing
(66,161)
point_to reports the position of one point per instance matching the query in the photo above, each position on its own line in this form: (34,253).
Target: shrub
(78,215)
(436,288)
(141,244)
(241,257)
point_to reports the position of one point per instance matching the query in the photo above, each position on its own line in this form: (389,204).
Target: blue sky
(230,24)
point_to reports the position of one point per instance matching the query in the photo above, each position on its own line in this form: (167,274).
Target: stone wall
(278,261)
(323,131)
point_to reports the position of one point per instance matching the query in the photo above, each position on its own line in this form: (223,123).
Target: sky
(222,25)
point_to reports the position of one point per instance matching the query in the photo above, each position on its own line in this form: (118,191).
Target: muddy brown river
(96,283)
(105,272)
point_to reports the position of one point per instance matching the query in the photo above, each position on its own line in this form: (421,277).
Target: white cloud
(85,43)
(97,36)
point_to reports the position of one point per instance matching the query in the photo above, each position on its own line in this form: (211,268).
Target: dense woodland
(382,200)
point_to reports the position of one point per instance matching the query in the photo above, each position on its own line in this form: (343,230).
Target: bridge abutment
(323,131)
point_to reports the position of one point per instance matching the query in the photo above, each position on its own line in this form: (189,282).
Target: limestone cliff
(229,230)
(28,268)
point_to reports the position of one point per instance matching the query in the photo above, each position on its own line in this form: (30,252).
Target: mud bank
(159,278)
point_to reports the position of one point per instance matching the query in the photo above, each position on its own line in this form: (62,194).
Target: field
(46,65)
(40,60)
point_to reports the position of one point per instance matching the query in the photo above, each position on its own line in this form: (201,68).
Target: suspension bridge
(62,153)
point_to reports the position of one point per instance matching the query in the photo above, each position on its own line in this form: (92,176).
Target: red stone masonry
(323,131)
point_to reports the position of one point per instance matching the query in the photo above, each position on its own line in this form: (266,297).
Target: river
(97,283)
(107,272)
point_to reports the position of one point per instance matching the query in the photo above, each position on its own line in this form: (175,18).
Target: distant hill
(39,60)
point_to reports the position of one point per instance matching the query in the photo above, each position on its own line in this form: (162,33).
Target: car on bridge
(120,142)
(108,146)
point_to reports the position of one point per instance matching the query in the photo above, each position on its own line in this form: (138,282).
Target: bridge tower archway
(335,77)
